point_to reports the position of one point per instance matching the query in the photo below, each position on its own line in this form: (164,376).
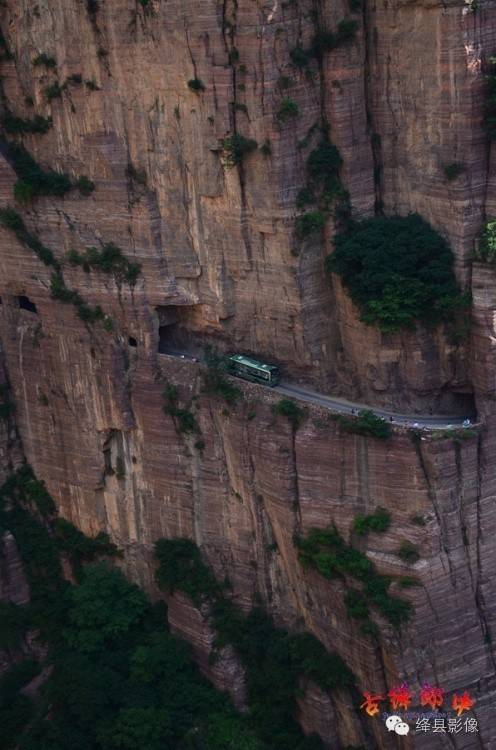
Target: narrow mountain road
(342,406)
(431,421)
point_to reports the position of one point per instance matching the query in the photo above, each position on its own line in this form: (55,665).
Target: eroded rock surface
(221,264)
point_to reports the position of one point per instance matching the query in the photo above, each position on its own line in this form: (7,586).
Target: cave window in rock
(176,328)
(132,341)
(26,304)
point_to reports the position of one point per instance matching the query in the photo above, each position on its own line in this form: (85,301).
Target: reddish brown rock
(218,249)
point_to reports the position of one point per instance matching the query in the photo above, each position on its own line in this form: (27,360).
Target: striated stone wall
(220,242)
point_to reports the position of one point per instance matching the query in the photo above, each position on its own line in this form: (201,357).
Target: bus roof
(250,362)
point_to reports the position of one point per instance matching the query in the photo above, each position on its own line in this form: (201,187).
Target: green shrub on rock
(310,223)
(486,248)
(289,409)
(397,270)
(236,148)
(366,423)
(287,110)
(379,521)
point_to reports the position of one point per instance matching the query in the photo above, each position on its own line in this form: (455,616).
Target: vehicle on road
(252,369)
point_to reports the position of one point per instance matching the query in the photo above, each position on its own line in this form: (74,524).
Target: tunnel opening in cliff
(176,332)
(26,304)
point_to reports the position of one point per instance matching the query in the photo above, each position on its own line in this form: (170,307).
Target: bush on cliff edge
(397,270)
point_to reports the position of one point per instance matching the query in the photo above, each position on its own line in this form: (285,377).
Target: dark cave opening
(26,304)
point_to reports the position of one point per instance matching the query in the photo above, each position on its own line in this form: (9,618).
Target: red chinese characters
(431,696)
(400,697)
(371,703)
(462,703)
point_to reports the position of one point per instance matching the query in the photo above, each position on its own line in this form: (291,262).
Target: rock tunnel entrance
(176,325)
(26,304)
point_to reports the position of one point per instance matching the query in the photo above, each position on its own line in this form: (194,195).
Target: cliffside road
(433,422)
(340,405)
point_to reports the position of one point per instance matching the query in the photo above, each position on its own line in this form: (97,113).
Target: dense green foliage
(109,259)
(486,247)
(53,91)
(14,622)
(408,553)
(309,223)
(397,270)
(6,405)
(490,116)
(46,60)
(33,178)
(323,163)
(181,568)
(118,679)
(299,57)
(215,382)
(305,197)
(379,521)
(452,171)
(323,187)
(288,408)
(84,185)
(324,41)
(366,423)
(20,126)
(287,110)
(276,663)
(184,417)
(326,551)
(195,84)
(236,148)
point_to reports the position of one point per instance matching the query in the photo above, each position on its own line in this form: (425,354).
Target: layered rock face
(221,264)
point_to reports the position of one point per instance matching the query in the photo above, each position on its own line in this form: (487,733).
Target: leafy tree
(326,551)
(237,147)
(486,249)
(104,609)
(287,110)
(397,270)
(366,423)
(13,624)
(378,521)
(181,567)
(137,728)
(310,223)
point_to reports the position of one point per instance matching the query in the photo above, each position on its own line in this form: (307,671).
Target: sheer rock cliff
(221,264)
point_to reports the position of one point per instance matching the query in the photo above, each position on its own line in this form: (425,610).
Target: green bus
(251,369)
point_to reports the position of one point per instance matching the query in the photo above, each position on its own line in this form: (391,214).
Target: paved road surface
(431,421)
(336,404)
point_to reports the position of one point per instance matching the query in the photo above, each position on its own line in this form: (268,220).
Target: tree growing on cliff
(486,247)
(236,149)
(397,270)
